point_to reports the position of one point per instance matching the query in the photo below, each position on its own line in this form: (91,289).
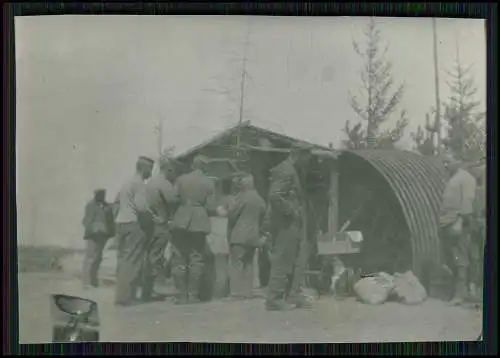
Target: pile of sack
(402,287)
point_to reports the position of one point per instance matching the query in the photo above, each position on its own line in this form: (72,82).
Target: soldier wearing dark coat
(287,226)
(99,227)
(190,226)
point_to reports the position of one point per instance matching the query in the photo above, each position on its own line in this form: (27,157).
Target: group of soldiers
(152,211)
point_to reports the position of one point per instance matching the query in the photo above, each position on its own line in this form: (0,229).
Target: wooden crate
(338,244)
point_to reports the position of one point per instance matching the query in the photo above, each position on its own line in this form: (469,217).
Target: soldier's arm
(278,192)
(110,219)
(233,208)
(87,217)
(468,197)
(264,220)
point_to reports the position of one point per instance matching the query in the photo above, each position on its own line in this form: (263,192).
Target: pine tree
(379,101)
(466,136)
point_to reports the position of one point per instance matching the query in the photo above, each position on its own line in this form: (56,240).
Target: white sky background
(90,90)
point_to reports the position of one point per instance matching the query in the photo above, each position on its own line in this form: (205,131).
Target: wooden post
(333,208)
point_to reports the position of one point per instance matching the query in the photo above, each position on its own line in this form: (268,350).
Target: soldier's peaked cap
(145,159)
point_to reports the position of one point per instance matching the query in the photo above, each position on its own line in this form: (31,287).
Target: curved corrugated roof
(418,183)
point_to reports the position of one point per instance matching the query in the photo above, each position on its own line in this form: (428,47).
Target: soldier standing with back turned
(287,221)
(190,226)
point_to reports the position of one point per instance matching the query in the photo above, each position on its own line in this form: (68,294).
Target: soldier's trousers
(154,260)
(288,264)
(241,270)
(131,242)
(264,263)
(92,260)
(456,256)
(188,249)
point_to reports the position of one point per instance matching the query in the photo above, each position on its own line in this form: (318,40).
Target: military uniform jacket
(98,220)
(245,216)
(286,198)
(196,197)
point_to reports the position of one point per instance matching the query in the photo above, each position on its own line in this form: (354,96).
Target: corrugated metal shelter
(407,189)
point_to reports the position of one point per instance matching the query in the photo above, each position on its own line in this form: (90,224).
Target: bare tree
(376,101)
(232,84)
(466,137)
(166,153)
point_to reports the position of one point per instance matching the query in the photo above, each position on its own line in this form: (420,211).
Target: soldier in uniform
(99,227)
(245,215)
(190,226)
(455,223)
(287,226)
(132,214)
(162,200)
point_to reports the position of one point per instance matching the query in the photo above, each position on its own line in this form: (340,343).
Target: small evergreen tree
(466,135)
(380,102)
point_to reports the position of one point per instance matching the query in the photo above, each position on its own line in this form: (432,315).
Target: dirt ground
(221,321)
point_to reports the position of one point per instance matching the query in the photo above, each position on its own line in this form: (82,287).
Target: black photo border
(11,345)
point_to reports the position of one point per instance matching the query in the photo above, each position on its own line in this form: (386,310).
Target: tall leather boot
(179,275)
(194,279)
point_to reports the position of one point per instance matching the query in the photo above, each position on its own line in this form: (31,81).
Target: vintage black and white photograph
(250,179)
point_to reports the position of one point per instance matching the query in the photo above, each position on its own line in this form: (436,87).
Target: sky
(91,90)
